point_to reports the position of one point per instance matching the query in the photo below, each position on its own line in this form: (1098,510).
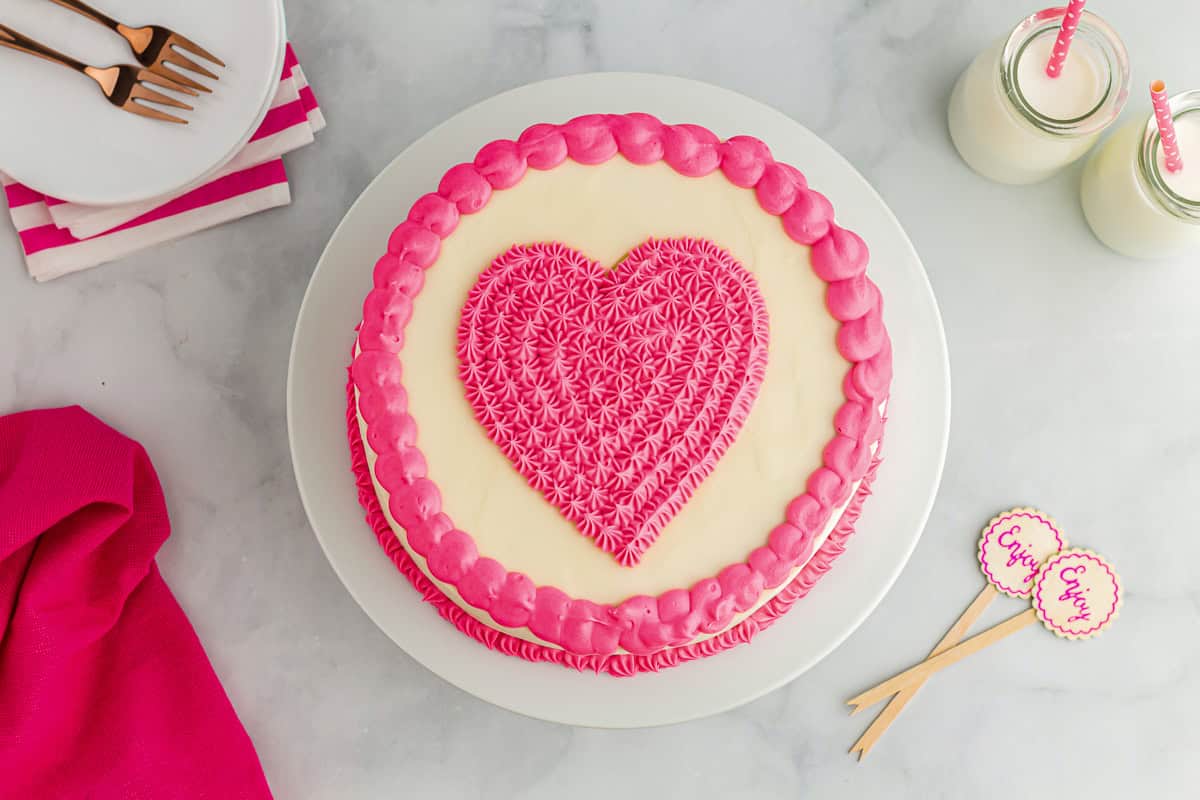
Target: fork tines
(172,60)
(186,44)
(142,92)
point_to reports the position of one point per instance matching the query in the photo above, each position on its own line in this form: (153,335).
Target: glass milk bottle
(1133,203)
(1013,123)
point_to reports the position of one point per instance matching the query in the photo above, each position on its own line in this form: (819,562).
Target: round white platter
(892,520)
(62,138)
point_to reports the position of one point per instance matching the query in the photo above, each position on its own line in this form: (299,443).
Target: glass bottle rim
(1091,29)
(1149,171)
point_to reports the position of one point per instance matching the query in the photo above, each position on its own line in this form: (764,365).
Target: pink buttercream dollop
(501,164)
(375,370)
(414,502)
(400,464)
(435,212)
(374,405)
(392,433)
(744,159)
(777,188)
(391,270)
(639,137)
(466,188)
(839,255)
(590,139)
(852,298)
(415,244)
(691,150)
(808,218)
(543,146)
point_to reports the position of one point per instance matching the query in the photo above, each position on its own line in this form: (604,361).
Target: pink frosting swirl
(391,270)
(839,255)
(861,338)
(691,150)
(590,139)
(513,605)
(390,306)
(501,164)
(639,137)
(744,159)
(453,558)
(777,188)
(808,218)
(374,405)
(416,502)
(426,534)
(543,146)
(654,632)
(435,212)
(401,463)
(466,187)
(767,563)
(788,542)
(852,298)
(412,243)
(375,370)
(393,433)
(804,512)
(481,584)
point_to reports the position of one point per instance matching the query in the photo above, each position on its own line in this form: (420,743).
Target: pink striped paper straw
(1065,33)
(1166,126)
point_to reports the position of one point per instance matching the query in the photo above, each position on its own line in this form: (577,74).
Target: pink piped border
(615,664)
(641,625)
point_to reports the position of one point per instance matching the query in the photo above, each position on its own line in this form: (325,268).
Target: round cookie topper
(1078,594)
(1014,546)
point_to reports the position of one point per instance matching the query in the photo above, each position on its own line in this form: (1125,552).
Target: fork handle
(93,14)
(18,41)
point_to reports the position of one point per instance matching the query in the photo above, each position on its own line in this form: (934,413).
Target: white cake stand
(892,520)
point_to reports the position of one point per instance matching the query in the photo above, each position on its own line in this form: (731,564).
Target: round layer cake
(617,394)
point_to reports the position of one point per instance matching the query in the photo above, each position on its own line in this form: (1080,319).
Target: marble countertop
(1074,377)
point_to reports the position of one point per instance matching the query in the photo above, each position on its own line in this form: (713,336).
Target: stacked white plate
(60,136)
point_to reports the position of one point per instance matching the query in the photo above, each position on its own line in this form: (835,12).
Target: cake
(618,392)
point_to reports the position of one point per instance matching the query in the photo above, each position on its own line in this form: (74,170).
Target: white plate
(892,520)
(71,144)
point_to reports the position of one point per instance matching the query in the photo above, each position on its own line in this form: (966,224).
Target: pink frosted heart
(614,391)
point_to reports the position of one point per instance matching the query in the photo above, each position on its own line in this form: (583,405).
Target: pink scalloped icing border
(640,625)
(616,664)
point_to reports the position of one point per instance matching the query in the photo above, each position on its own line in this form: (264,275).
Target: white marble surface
(1074,385)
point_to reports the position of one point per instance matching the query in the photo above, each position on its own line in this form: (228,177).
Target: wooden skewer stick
(922,671)
(955,635)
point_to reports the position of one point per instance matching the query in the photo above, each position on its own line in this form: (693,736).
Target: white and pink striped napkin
(60,238)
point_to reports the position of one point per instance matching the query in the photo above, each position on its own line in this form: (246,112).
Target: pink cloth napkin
(59,238)
(105,691)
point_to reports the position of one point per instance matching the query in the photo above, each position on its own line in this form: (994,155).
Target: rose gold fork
(123,85)
(155,47)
